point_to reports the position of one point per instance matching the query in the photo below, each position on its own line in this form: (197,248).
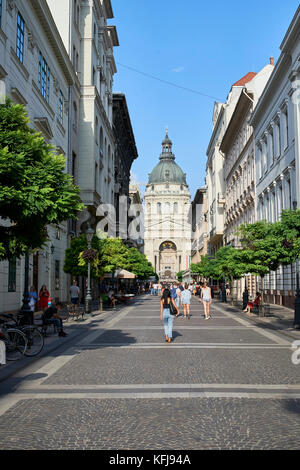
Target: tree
(138,264)
(207,268)
(289,230)
(230,263)
(264,249)
(179,276)
(34,189)
(111,254)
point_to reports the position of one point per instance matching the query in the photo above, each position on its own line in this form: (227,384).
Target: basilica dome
(167,171)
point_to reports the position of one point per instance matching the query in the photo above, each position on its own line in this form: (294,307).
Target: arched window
(75,116)
(159,208)
(96,130)
(167,208)
(175,207)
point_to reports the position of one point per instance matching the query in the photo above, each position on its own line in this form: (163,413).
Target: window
(12,275)
(61,107)
(175,207)
(74,166)
(167,208)
(20,38)
(101,139)
(96,130)
(159,208)
(0,13)
(75,116)
(44,78)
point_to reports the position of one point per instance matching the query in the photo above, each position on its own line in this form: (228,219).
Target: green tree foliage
(230,264)
(263,247)
(139,265)
(207,268)
(289,230)
(112,254)
(179,276)
(34,189)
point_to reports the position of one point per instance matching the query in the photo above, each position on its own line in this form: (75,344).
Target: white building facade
(215,179)
(35,71)
(276,123)
(239,167)
(167,225)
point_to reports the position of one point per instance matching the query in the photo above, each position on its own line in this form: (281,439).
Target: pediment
(43,126)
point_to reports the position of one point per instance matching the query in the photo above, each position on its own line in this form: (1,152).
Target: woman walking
(186,301)
(165,314)
(205,297)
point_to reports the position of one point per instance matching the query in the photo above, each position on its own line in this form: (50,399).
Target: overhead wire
(167,82)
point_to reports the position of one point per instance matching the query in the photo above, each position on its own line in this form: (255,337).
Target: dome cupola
(167,171)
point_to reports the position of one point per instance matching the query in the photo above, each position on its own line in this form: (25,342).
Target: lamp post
(25,309)
(297,300)
(88,298)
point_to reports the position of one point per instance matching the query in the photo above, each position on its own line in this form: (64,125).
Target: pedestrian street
(224,383)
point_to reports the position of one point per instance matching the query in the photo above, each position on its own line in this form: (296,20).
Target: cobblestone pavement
(222,384)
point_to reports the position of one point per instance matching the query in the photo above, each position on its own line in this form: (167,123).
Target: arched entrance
(167,261)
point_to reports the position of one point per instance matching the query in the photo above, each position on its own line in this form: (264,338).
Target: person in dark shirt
(51,315)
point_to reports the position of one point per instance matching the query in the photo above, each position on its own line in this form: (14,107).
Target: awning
(123,274)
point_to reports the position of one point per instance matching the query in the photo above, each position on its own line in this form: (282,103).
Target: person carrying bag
(168,310)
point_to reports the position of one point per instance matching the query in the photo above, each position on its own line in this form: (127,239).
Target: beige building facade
(90,42)
(167,226)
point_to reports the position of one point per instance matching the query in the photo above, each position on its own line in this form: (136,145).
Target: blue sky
(205,46)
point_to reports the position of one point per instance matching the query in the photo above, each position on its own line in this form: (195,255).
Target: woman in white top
(205,297)
(186,301)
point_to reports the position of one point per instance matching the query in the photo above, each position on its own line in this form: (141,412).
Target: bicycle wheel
(16,343)
(35,340)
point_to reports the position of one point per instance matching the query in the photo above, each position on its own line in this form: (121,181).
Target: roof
(167,171)
(247,78)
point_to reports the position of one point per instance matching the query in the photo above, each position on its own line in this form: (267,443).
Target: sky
(203,46)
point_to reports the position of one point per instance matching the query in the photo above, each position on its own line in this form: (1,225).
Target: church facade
(167,214)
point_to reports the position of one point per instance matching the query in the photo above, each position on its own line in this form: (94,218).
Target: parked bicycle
(34,336)
(15,341)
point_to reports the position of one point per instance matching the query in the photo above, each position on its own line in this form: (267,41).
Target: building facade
(276,123)
(35,71)
(199,225)
(167,226)
(90,42)
(215,179)
(237,147)
(125,154)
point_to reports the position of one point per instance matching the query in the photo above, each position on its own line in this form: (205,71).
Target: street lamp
(88,298)
(297,300)
(25,309)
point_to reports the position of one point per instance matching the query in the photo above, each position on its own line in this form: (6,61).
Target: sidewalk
(74,329)
(280,318)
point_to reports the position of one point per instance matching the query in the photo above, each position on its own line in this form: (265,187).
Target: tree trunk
(262,297)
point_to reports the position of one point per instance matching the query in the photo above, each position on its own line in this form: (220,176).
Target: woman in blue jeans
(166,315)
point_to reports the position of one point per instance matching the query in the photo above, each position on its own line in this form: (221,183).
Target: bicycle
(35,338)
(15,341)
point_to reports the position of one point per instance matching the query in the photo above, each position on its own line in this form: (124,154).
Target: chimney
(272,60)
